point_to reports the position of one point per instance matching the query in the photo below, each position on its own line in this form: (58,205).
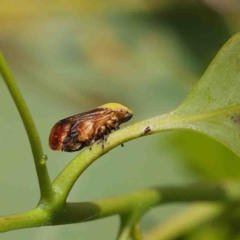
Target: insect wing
(66,130)
(90,115)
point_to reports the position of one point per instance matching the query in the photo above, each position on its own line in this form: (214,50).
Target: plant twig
(39,157)
(127,224)
(142,201)
(136,233)
(137,202)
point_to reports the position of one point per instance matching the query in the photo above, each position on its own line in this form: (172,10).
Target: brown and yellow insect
(76,132)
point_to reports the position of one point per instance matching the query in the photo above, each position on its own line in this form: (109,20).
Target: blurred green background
(72,56)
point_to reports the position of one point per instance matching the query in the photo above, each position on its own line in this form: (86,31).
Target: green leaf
(204,156)
(213,106)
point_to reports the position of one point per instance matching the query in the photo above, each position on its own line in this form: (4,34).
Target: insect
(76,132)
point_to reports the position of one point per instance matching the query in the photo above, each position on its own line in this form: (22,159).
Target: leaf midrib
(206,115)
(170,120)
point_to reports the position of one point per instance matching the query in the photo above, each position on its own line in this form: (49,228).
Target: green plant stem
(39,158)
(143,200)
(34,218)
(127,224)
(136,233)
(136,203)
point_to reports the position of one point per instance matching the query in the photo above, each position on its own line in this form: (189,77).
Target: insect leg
(103,143)
(104,133)
(91,143)
(105,137)
(102,139)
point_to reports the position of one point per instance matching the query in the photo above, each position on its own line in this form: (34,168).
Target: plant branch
(144,200)
(127,224)
(136,233)
(34,218)
(39,157)
(136,203)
